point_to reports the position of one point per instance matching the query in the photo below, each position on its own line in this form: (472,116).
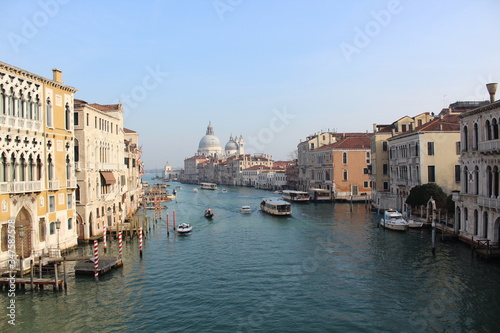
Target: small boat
(392,219)
(415,224)
(208,214)
(178,187)
(224,190)
(195,190)
(184,228)
(245,210)
(276,206)
(208,186)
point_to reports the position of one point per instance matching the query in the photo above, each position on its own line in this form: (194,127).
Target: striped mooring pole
(96,260)
(120,245)
(168,227)
(140,242)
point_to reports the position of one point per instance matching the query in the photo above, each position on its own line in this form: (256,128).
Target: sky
(274,72)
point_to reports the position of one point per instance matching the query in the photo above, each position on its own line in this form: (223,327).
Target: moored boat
(392,219)
(296,196)
(276,206)
(415,224)
(208,186)
(208,213)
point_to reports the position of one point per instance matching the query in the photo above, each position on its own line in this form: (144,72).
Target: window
(458,148)
(87,119)
(430,148)
(403,128)
(386,185)
(75,118)
(52,228)
(344,158)
(49,113)
(52,203)
(431,170)
(70,223)
(355,190)
(67,117)
(70,201)
(365,171)
(457,173)
(385,169)
(41,230)
(366,184)
(344,174)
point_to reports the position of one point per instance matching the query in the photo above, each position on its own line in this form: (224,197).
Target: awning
(108,177)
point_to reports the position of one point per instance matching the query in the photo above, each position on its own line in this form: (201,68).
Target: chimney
(492,89)
(57,75)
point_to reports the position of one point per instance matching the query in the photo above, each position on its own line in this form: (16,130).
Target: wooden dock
(105,265)
(21,283)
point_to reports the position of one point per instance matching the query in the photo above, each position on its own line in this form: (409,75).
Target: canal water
(327,268)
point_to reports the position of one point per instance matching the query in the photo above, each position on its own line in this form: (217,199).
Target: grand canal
(328,268)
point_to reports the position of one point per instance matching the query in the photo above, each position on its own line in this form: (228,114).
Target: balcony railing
(71,183)
(54,185)
(489,202)
(27,124)
(490,145)
(20,187)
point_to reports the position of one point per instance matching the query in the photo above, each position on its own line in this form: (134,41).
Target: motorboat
(415,224)
(245,210)
(208,186)
(224,190)
(184,228)
(208,214)
(276,206)
(296,196)
(392,219)
(195,190)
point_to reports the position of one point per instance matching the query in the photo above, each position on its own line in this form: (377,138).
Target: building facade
(37,182)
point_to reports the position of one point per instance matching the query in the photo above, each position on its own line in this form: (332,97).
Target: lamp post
(58,227)
(21,263)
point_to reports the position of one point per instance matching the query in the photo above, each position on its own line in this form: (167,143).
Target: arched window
(466,180)
(475,137)
(29,107)
(489,181)
(68,168)
(466,218)
(494,125)
(2,100)
(488,129)
(13,165)
(31,166)
(77,151)
(3,168)
(466,138)
(476,179)
(50,168)
(495,181)
(36,109)
(485,225)
(344,157)
(10,103)
(476,222)
(38,175)
(21,106)
(345,175)
(22,168)
(49,113)
(67,117)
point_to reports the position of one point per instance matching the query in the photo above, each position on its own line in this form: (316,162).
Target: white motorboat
(276,206)
(245,210)
(415,224)
(195,190)
(184,228)
(296,196)
(392,219)
(224,190)
(208,186)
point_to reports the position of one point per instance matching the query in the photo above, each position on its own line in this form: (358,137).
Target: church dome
(231,145)
(209,141)
(210,144)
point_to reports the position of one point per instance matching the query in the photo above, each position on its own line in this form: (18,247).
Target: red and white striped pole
(168,227)
(96,260)
(175,219)
(104,238)
(120,245)
(140,242)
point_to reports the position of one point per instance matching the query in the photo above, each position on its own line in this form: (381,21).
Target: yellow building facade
(37,179)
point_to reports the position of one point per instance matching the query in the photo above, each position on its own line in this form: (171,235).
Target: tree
(420,194)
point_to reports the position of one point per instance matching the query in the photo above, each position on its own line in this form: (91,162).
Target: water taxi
(276,206)
(245,210)
(208,186)
(297,196)
(392,219)
(320,194)
(184,228)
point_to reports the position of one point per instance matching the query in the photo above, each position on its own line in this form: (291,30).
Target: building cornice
(22,72)
(485,108)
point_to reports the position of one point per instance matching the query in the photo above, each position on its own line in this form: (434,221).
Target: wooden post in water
(31,274)
(65,275)
(168,227)
(40,265)
(140,242)
(56,285)
(175,219)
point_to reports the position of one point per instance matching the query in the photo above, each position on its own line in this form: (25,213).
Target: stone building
(37,179)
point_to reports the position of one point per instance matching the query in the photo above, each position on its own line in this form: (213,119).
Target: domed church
(210,145)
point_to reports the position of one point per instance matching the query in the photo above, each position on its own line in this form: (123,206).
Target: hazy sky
(272,71)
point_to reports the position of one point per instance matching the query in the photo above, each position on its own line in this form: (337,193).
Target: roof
(258,167)
(126,130)
(447,123)
(107,107)
(352,142)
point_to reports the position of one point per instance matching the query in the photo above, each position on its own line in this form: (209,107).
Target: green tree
(420,195)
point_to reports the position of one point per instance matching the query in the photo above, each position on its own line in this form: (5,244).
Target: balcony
(492,203)
(71,183)
(20,187)
(54,185)
(489,147)
(27,124)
